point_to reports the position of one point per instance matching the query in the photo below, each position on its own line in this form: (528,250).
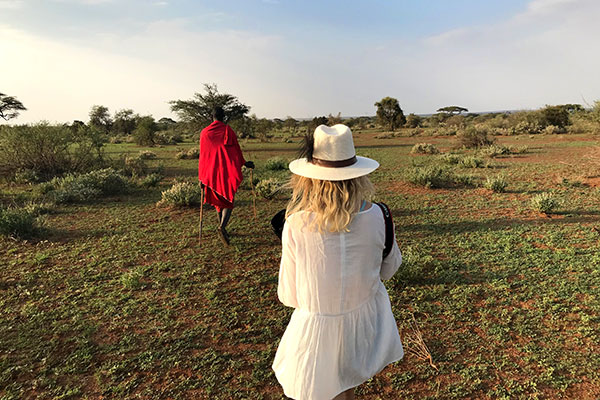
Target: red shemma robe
(220,164)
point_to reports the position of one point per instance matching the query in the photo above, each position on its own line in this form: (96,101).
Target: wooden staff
(253,193)
(201,209)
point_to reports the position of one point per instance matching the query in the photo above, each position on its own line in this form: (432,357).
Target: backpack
(278,221)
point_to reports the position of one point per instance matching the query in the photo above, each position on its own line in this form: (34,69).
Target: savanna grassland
(117,299)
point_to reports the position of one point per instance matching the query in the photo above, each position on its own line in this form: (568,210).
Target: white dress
(342,331)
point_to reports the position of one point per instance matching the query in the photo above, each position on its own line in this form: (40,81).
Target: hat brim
(362,166)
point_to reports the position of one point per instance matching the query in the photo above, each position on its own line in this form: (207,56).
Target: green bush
(152,180)
(276,164)
(145,132)
(496,184)
(49,150)
(471,162)
(182,194)
(147,155)
(268,188)
(544,203)
(437,177)
(26,176)
(424,148)
(474,137)
(494,151)
(74,188)
(134,166)
(18,222)
(168,137)
(449,158)
(188,154)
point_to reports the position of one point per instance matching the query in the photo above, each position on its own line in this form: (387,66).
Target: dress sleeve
(392,262)
(286,289)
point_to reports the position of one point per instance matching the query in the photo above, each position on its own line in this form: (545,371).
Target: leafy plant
(496,184)
(471,162)
(188,154)
(424,148)
(75,188)
(18,222)
(437,177)
(544,202)
(182,194)
(152,180)
(147,155)
(276,164)
(268,188)
(474,137)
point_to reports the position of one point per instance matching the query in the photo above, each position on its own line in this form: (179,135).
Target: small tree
(414,121)
(316,121)
(556,115)
(124,122)
(334,119)
(389,113)
(100,118)
(144,133)
(198,110)
(10,107)
(290,124)
(452,110)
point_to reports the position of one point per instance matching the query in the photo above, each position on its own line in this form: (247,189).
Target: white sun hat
(333,156)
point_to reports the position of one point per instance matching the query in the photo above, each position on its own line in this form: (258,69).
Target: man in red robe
(220,168)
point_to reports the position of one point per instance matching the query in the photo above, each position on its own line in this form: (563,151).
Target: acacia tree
(100,118)
(452,110)
(389,113)
(10,107)
(198,110)
(124,122)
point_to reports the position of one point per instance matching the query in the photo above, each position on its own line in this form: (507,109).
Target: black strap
(389,228)
(277,223)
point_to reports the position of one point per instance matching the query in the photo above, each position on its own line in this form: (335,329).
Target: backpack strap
(389,228)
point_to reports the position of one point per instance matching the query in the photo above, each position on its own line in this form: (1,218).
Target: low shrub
(437,177)
(496,184)
(49,150)
(168,138)
(553,130)
(28,176)
(18,222)
(449,158)
(146,155)
(188,154)
(474,137)
(74,188)
(134,166)
(494,151)
(151,180)
(471,162)
(544,203)
(132,280)
(268,188)
(424,148)
(519,149)
(182,194)
(276,164)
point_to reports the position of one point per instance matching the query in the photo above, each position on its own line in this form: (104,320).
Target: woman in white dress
(342,331)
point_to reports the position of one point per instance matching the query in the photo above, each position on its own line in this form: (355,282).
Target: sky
(297,58)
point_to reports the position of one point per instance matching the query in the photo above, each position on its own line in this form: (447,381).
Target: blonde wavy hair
(334,203)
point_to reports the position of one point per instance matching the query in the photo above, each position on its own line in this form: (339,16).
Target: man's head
(218,114)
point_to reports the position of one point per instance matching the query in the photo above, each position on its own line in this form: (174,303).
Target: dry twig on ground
(415,345)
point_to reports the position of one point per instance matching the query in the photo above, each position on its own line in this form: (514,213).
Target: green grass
(118,300)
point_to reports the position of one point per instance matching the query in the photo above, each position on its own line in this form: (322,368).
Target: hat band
(334,164)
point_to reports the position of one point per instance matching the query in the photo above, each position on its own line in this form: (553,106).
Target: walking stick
(201,209)
(253,192)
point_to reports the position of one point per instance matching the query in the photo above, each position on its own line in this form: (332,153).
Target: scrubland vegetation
(105,292)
